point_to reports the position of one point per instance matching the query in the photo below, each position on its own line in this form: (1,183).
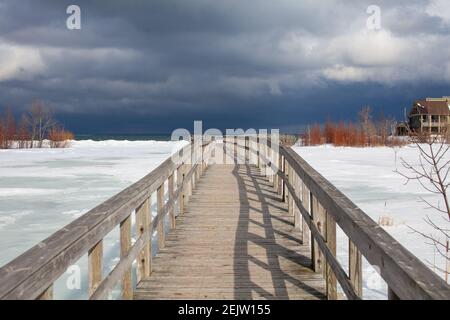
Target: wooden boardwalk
(235,237)
(236,240)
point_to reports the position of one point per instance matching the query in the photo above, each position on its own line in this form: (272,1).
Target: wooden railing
(31,275)
(318,207)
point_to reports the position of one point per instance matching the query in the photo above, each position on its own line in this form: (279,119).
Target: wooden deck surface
(235,240)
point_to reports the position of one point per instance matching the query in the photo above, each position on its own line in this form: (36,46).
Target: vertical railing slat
(318,215)
(95,266)
(171,200)
(184,197)
(331,243)
(306,233)
(355,268)
(297,214)
(160,204)
(142,225)
(125,245)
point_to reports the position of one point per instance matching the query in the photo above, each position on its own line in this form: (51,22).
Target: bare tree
(366,123)
(432,173)
(384,128)
(40,120)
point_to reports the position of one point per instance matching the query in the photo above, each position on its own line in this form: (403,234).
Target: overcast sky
(152,66)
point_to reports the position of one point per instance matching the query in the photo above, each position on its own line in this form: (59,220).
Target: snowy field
(367,177)
(41,190)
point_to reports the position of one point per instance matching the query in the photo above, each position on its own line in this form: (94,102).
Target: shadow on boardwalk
(254,186)
(236,240)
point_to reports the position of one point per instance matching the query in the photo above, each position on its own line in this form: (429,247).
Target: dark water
(129,137)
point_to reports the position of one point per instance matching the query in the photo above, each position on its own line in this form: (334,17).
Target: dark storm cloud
(155,65)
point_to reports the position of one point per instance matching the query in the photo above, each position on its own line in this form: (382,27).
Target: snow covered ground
(41,190)
(367,177)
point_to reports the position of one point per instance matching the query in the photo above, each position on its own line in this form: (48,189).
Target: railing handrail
(28,275)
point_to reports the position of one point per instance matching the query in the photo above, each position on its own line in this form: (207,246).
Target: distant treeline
(35,128)
(365,133)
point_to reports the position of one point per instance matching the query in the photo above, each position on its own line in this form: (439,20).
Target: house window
(434,118)
(424,118)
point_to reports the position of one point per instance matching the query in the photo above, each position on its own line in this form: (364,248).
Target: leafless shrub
(432,173)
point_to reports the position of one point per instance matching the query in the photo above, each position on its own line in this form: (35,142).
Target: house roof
(431,107)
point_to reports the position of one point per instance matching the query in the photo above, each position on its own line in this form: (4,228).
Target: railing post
(288,194)
(95,266)
(180,181)
(268,166)
(246,149)
(355,268)
(240,149)
(191,179)
(280,168)
(186,187)
(306,233)
(261,155)
(172,202)
(258,152)
(318,215)
(283,182)
(161,215)
(142,225)
(331,243)
(125,245)
(276,167)
(297,214)
(285,188)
